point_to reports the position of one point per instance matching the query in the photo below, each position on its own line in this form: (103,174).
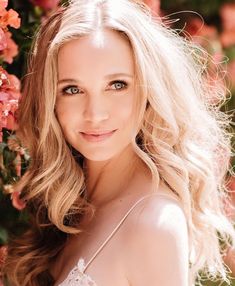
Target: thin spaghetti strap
(120,223)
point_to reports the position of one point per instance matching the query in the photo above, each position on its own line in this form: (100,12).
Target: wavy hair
(181,135)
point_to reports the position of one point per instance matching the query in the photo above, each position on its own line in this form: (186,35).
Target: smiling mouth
(97,137)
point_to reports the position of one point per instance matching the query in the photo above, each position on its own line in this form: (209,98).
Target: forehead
(96,53)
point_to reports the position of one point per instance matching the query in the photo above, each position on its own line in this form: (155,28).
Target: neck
(106,180)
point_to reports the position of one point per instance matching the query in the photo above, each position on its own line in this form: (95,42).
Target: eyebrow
(109,76)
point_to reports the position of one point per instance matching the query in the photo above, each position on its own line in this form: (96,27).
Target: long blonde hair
(181,136)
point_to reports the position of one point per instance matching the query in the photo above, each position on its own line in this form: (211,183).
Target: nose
(95,110)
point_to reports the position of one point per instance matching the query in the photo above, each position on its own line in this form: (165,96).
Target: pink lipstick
(97,136)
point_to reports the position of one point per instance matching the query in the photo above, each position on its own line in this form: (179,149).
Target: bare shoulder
(157,242)
(158,211)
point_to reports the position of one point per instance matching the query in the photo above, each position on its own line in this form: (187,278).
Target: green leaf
(3,236)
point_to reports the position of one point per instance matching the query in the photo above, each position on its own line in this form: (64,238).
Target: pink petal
(4,96)
(17,202)
(3,40)
(46,4)
(13,19)
(10,122)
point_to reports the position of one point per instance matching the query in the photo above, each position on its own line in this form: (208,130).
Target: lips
(96,136)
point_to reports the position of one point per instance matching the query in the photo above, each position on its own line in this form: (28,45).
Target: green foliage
(30,21)
(205,8)
(12,221)
(7,161)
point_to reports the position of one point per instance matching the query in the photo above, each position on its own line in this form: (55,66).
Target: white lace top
(77,276)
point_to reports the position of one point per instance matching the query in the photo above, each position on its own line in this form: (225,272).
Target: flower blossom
(17,202)
(11,50)
(46,4)
(9,18)
(3,4)
(3,40)
(8,48)
(227,14)
(9,96)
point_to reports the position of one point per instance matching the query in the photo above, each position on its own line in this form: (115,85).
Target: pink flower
(13,19)
(227,38)
(14,87)
(3,4)
(17,202)
(11,51)
(206,36)
(196,28)
(8,48)
(3,96)
(7,116)
(3,40)
(227,14)
(9,96)
(46,4)
(9,86)
(3,77)
(10,124)
(10,17)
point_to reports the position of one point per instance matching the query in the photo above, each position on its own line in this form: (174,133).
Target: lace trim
(77,277)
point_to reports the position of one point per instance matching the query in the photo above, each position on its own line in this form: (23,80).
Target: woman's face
(95,98)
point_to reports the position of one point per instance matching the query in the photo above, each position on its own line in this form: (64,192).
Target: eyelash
(65,89)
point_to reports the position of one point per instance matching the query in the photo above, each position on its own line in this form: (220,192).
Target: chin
(98,157)
(103,154)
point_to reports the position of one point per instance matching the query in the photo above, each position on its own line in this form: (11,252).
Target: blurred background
(209,23)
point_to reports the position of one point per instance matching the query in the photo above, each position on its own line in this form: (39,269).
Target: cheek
(123,109)
(65,114)
(125,117)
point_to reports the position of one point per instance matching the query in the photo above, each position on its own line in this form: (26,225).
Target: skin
(100,102)
(154,235)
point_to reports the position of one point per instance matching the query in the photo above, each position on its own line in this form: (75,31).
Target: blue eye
(71,90)
(119,85)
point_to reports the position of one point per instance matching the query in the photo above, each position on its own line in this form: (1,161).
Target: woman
(126,182)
